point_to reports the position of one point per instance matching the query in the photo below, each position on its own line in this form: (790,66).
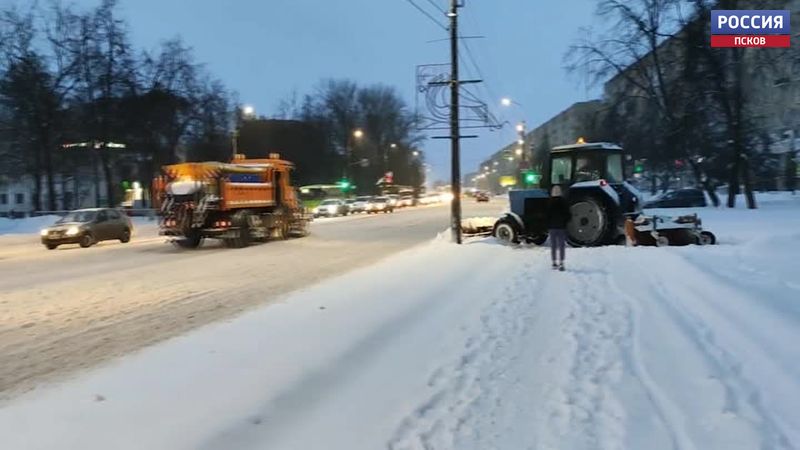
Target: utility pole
(455,132)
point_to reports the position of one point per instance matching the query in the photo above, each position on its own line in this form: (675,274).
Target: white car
(331,208)
(394,201)
(407,200)
(379,205)
(361,204)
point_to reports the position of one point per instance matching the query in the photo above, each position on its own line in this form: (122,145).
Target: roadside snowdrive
(475,347)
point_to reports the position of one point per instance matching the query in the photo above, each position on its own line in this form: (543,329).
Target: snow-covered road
(475,347)
(69,309)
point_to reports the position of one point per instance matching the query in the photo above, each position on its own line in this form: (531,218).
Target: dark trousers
(558,242)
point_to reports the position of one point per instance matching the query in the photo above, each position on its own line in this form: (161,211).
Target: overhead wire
(427,14)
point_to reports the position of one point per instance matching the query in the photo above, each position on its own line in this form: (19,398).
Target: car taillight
(603,183)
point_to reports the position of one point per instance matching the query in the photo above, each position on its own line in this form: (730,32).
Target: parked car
(87,227)
(481,197)
(380,205)
(681,198)
(361,204)
(331,208)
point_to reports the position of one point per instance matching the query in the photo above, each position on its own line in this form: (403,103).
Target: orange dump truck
(239,202)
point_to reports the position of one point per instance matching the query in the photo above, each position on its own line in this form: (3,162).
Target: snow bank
(475,347)
(32,225)
(28,225)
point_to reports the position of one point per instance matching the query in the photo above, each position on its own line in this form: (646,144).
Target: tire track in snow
(598,330)
(461,386)
(667,412)
(738,390)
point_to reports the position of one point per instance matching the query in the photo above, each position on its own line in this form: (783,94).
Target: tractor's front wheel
(590,223)
(506,232)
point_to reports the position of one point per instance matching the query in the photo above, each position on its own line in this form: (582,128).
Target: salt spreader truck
(239,202)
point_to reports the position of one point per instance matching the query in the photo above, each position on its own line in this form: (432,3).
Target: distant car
(331,208)
(481,197)
(407,200)
(394,201)
(87,227)
(430,199)
(380,205)
(361,204)
(681,198)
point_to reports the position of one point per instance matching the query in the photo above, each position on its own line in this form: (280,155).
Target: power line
(437,7)
(427,14)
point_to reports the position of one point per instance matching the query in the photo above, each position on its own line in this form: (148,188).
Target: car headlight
(73,231)
(315,210)
(44,232)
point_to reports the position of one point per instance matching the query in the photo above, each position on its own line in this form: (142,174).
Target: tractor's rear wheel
(506,232)
(590,223)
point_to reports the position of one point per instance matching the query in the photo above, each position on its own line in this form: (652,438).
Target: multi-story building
(502,170)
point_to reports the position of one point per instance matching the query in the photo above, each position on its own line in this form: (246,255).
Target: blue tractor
(592,177)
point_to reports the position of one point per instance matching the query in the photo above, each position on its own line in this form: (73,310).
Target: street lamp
(519,151)
(505,101)
(358,133)
(415,153)
(248,111)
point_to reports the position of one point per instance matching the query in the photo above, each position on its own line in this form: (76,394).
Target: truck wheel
(589,224)
(191,240)
(506,232)
(241,219)
(51,246)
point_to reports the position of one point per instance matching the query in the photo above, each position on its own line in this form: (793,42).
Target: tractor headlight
(73,231)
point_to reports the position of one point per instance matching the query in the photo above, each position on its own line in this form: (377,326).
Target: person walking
(558,216)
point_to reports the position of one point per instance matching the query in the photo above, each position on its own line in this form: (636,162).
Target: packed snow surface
(475,347)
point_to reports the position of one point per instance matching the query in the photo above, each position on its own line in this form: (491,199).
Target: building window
(3,199)
(20,198)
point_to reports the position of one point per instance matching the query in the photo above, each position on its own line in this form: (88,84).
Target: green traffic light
(344,185)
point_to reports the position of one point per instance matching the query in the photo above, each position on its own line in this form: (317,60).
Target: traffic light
(638,167)
(344,184)
(530,177)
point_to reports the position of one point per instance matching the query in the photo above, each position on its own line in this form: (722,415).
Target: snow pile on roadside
(28,225)
(473,224)
(32,225)
(475,347)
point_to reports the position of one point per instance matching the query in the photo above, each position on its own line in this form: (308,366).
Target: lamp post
(246,112)
(356,134)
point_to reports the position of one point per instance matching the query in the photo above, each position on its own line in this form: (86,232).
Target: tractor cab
(582,163)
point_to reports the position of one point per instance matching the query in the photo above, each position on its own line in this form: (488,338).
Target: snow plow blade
(661,231)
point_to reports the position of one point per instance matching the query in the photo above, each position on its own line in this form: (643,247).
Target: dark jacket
(558,214)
